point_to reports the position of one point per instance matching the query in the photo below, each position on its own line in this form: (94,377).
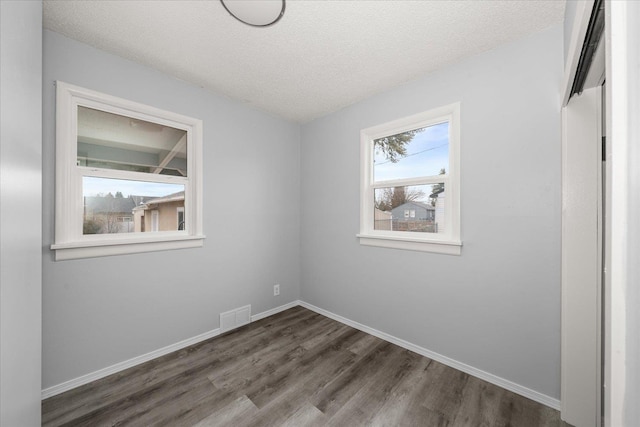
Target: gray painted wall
(20,212)
(497,306)
(100,311)
(569,22)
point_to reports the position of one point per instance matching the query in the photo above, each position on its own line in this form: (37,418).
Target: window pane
(111,141)
(125,206)
(415,208)
(412,154)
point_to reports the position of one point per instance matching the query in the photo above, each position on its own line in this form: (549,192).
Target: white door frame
(581,259)
(622,314)
(622,247)
(582,245)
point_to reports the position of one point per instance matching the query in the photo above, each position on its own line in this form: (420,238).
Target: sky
(427,153)
(92,186)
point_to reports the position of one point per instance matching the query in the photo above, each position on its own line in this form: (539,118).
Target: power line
(416,153)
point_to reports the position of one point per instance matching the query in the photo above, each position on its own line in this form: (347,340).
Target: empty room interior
(301,212)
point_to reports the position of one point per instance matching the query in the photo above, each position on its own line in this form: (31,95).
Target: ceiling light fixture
(256,13)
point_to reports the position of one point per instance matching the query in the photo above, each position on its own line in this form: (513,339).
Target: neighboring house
(414,216)
(108,214)
(160,214)
(414,211)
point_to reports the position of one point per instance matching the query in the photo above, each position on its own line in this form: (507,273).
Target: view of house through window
(417,208)
(126,206)
(418,155)
(410,182)
(128,176)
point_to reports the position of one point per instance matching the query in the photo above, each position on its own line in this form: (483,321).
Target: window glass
(411,154)
(125,206)
(112,141)
(415,208)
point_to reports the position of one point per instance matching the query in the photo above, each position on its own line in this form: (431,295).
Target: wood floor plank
(281,403)
(138,407)
(369,400)
(308,416)
(480,404)
(344,386)
(441,390)
(233,373)
(114,389)
(296,368)
(395,411)
(326,357)
(183,408)
(517,410)
(332,331)
(365,344)
(230,415)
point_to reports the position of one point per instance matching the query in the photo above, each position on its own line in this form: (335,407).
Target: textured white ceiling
(321,56)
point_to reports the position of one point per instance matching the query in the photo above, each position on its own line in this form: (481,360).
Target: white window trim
(448,243)
(70,243)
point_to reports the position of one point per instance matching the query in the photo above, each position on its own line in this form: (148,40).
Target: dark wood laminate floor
(296,368)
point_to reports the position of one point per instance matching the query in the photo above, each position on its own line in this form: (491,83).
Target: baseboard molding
(274,310)
(486,376)
(493,379)
(121,366)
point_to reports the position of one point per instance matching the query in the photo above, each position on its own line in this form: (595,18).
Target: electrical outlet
(276,290)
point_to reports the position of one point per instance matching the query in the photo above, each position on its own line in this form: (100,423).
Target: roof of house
(174,197)
(139,200)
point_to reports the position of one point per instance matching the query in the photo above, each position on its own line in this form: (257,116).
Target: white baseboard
(493,379)
(121,366)
(486,376)
(275,310)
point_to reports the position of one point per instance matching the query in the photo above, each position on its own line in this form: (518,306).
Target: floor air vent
(235,318)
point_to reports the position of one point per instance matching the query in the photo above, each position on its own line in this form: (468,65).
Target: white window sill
(91,249)
(412,244)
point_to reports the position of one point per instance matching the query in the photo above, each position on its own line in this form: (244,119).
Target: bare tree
(387,199)
(111,219)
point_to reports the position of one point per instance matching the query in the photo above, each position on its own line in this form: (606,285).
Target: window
(410,192)
(118,165)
